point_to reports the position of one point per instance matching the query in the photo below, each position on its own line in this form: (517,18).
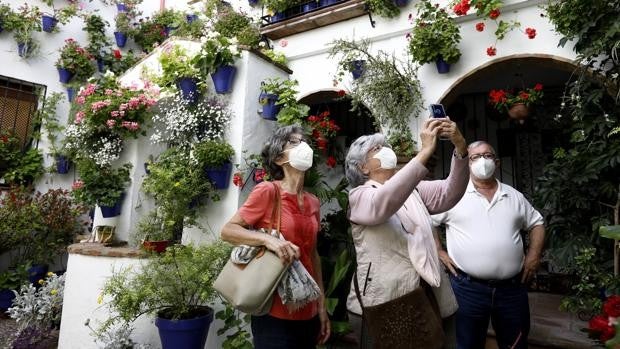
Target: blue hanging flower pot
(48,23)
(443,67)
(64,75)
(270,109)
(189,89)
(223,78)
(121,39)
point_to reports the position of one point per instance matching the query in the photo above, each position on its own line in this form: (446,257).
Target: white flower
(261,44)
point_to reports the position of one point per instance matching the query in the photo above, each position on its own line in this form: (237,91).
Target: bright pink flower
(108,92)
(77,184)
(111,123)
(283,43)
(80,100)
(79,116)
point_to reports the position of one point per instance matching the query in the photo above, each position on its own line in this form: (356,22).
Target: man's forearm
(537,241)
(437,241)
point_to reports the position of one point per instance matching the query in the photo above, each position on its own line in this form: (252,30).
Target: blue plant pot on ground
(6,298)
(62,164)
(191,18)
(357,68)
(442,66)
(120,7)
(278,16)
(48,23)
(186,334)
(64,75)
(113,211)
(307,7)
(223,78)
(220,176)
(36,273)
(189,89)
(270,109)
(121,39)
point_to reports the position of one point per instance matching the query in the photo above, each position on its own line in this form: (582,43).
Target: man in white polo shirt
(486,258)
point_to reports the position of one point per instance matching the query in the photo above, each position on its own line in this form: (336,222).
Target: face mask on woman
(301,156)
(386,157)
(483,168)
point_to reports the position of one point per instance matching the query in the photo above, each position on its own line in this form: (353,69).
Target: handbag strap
(276,211)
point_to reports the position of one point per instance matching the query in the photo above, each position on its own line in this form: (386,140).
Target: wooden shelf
(318,18)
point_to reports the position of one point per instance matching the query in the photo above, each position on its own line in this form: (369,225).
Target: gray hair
(479,143)
(356,157)
(275,146)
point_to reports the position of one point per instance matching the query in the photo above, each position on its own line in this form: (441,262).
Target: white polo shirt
(483,237)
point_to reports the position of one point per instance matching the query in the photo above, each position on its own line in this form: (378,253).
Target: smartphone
(437,111)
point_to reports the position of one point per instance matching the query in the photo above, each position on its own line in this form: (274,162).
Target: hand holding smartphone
(438,112)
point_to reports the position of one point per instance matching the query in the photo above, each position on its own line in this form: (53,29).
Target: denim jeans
(273,333)
(506,306)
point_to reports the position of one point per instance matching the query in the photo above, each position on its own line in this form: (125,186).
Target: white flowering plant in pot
(217,51)
(179,122)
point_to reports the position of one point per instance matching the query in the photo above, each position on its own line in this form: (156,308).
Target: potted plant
(95,27)
(279,100)
(516,104)
(123,28)
(386,8)
(232,24)
(215,157)
(102,186)
(118,62)
(62,15)
(11,280)
(154,231)
(23,24)
(403,144)
(179,69)
(47,117)
(74,61)
(278,7)
(176,287)
(5,15)
(26,167)
(217,57)
(169,19)
(435,37)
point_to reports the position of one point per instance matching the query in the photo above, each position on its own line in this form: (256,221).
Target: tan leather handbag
(249,287)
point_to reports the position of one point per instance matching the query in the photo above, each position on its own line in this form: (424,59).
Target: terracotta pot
(519,112)
(155,246)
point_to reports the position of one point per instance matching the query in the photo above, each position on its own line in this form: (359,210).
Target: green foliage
(95,27)
(213,153)
(232,24)
(280,5)
(19,216)
(122,23)
(118,62)
(591,279)
(389,88)
(434,35)
(384,8)
(189,30)
(27,168)
(174,285)
(235,328)
(154,227)
(23,23)
(217,50)
(47,118)
(402,143)
(12,279)
(275,56)
(152,32)
(100,186)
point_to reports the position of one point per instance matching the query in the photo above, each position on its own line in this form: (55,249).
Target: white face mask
(386,157)
(301,156)
(483,168)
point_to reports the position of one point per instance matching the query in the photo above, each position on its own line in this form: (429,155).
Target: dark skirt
(273,333)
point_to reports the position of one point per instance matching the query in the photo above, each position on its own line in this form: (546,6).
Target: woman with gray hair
(286,157)
(391,224)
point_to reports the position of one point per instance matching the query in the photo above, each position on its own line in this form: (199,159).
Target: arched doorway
(523,148)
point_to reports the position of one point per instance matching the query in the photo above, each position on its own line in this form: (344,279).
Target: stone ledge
(99,250)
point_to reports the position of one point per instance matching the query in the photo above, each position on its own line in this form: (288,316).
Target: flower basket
(270,109)
(113,211)
(63,164)
(357,68)
(443,67)
(155,246)
(64,75)
(189,89)
(519,111)
(48,23)
(223,78)
(121,7)
(121,39)
(185,333)
(220,175)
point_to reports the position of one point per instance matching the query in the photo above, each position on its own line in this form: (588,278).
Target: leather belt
(515,280)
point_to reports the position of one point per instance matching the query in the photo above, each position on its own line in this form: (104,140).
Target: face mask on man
(483,168)
(301,156)
(386,157)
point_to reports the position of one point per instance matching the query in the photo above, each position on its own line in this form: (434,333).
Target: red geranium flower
(461,8)
(494,14)
(259,175)
(117,54)
(612,306)
(238,180)
(538,87)
(342,93)
(331,162)
(480,26)
(599,323)
(491,51)
(530,32)
(524,95)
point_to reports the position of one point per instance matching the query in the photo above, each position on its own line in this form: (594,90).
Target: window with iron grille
(19,101)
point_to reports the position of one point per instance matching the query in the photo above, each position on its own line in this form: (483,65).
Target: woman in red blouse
(286,157)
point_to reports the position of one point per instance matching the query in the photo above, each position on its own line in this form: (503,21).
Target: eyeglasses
(295,141)
(488,156)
